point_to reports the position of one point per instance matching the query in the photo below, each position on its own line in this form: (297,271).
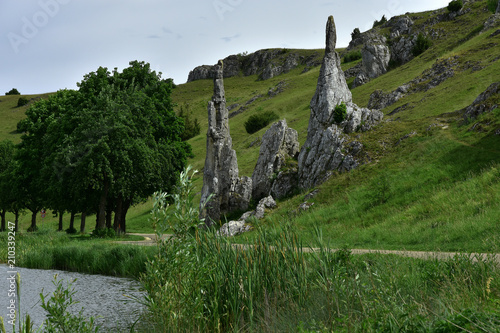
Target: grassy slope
(437,190)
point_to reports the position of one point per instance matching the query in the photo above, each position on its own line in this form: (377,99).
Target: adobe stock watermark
(32,25)
(224,6)
(393,8)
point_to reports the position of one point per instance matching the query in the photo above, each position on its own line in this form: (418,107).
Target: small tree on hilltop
(13,91)
(455,5)
(355,33)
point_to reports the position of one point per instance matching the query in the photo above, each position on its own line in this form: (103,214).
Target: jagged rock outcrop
(278,143)
(264,63)
(380,100)
(220,176)
(376,56)
(442,70)
(483,103)
(325,146)
(233,228)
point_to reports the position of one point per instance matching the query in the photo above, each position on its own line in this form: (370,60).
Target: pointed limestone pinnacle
(331,35)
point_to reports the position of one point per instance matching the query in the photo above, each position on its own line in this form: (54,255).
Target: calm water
(98,295)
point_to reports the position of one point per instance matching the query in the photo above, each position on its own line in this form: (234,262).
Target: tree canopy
(111,143)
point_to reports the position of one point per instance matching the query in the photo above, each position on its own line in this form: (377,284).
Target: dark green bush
(492,5)
(13,91)
(355,33)
(352,56)
(378,23)
(103,233)
(259,121)
(22,101)
(455,5)
(422,44)
(340,113)
(191,127)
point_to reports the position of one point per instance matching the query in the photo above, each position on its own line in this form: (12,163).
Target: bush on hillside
(340,113)
(352,56)
(191,127)
(355,33)
(492,5)
(13,91)
(422,44)
(455,5)
(258,121)
(378,23)
(22,101)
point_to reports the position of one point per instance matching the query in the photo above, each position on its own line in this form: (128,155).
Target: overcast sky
(47,45)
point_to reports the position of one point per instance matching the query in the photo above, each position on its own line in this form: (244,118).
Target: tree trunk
(60,221)
(33,221)
(3,226)
(82,222)
(101,213)
(109,215)
(125,207)
(72,221)
(118,215)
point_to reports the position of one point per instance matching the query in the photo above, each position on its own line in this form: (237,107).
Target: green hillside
(432,181)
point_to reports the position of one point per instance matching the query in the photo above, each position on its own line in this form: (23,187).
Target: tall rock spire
(324,149)
(220,176)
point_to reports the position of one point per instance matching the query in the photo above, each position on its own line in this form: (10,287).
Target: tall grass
(199,282)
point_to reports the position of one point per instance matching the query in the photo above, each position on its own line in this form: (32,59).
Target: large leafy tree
(7,149)
(104,147)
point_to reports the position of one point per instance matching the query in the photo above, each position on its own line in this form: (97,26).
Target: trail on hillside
(151,239)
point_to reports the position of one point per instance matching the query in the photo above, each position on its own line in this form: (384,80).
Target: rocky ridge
(266,64)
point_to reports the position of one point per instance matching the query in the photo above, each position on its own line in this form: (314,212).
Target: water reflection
(103,296)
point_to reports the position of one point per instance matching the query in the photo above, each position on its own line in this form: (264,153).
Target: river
(107,298)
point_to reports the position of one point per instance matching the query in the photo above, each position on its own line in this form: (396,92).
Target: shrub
(352,56)
(103,233)
(258,121)
(455,5)
(492,5)
(422,44)
(191,127)
(340,113)
(355,33)
(22,101)
(13,91)
(378,23)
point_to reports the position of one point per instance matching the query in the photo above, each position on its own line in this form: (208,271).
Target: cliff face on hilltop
(264,63)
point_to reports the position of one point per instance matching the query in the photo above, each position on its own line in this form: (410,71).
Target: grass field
(436,190)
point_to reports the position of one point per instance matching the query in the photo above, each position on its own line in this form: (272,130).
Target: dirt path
(150,240)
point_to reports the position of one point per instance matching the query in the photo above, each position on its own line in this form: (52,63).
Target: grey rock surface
(376,56)
(324,150)
(233,228)
(278,143)
(220,177)
(480,104)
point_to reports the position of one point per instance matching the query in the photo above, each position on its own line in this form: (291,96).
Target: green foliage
(13,91)
(352,56)
(492,5)
(22,101)
(59,318)
(421,45)
(355,33)
(455,6)
(340,113)
(379,23)
(103,233)
(258,121)
(191,127)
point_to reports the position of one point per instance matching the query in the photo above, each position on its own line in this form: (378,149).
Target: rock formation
(485,102)
(325,147)
(220,176)
(278,143)
(376,56)
(233,228)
